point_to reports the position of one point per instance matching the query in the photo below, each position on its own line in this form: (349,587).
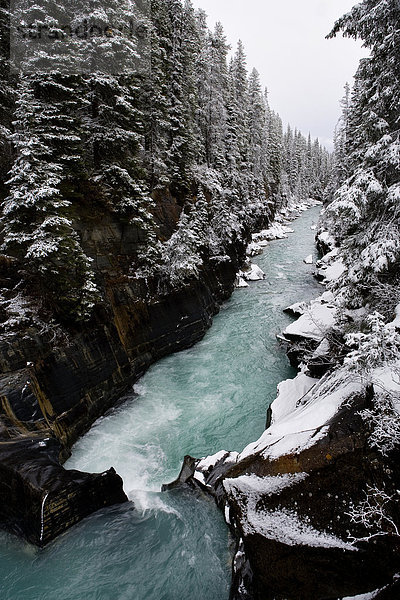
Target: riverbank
(304,500)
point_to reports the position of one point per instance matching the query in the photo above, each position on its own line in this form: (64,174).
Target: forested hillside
(181,145)
(364,217)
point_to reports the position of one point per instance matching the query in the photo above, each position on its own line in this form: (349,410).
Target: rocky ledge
(314,503)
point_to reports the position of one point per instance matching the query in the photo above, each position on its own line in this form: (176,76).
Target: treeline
(364,215)
(188,120)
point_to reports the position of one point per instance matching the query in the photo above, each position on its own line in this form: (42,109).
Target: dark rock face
(55,386)
(333,474)
(39,499)
(301,572)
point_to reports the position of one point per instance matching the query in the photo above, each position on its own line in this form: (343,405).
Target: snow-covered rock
(281,525)
(253,273)
(325,241)
(330,267)
(276,231)
(332,271)
(240,282)
(309,259)
(253,249)
(315,321)
(297,309)
(322,350)
(300,418)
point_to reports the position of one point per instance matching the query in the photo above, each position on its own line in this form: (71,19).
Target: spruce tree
(365,214)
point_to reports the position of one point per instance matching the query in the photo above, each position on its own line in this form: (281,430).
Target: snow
(200,477)
(282,525)
(387,379)
(331,266)
(276,231)
(322,350)
(240,282)
(330,256)
(369,596)
(290,392)
(326,238)
(300,418)
(315,322)
(209,462)
(254,487)
(254,273)
(226,514)
(309,259)
(255,248)
(286,527)
(334,271)
(299,308)
(396,321)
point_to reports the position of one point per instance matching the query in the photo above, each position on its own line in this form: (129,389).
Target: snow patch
(254,487)
(240,282)
(286,527)
(282,525)
(277,231)
(209,462)
(369,596)
(298,309)
(253,273)
(327,239)
(315,321)
(333,271)
(301,413)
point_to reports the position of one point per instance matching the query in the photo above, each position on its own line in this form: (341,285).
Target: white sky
(285,41)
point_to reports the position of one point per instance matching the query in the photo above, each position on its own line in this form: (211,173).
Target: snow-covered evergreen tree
(37,222)
(101,123)
(364,214)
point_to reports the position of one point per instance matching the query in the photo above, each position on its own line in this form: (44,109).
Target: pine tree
(7,99)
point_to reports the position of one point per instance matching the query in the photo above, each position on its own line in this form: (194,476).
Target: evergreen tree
(37,224)
(365,212)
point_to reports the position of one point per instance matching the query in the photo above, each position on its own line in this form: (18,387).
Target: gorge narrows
(173,545)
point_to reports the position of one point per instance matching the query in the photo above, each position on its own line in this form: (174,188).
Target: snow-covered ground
(330,267)
(315,321)
(369,596)
(282,525)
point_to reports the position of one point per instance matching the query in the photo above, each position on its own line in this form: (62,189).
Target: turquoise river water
(173,545)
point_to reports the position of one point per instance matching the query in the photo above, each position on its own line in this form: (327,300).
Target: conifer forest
(199,313)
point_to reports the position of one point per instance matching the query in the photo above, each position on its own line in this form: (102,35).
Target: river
(173,545)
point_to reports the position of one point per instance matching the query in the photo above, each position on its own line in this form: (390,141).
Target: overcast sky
(285,41)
